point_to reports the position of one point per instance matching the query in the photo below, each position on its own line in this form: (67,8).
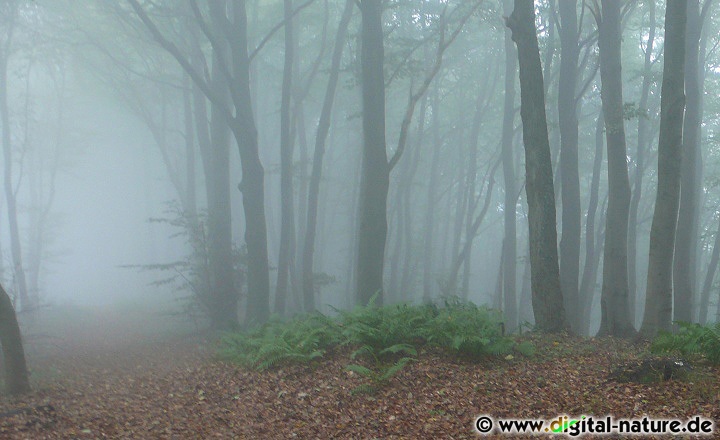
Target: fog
(123,112)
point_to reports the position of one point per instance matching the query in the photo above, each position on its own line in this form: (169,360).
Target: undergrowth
(691,340)
(385,338)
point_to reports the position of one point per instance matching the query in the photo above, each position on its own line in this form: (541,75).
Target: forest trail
(103,384)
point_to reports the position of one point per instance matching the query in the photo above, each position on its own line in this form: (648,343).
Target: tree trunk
(510,199)
(684,268)
(318,155)
(592,258)
(569,175)
(658,300)
(287,228)
(374,180)
(15,244)
(223,295)
(430,203)
(252,185)
(642,145)
(615,319)
(16,373)
(545,273)
(709,278)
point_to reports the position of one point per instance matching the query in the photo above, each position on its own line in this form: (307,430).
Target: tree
(615,319)
(375,175)
(658,299)
(508,165)
(228,39)
(547,298)
(287,228)
(643,141)
(684,262)
(16,373)
(8,14)
(569,173)
(323,128)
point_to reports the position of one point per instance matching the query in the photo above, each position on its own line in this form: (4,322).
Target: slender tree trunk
(642,145)
(190,185)
(318,155)
(658,300)
(16,373)
(431,201)
(570,179)
(15,245)
(510,199)
(375,178)
(684,270)
(709,278)
(287,228)
(545,273)
(252,185)
(615,319)
(410,254)
(592,259)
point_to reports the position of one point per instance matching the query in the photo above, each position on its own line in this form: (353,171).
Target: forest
(359,218)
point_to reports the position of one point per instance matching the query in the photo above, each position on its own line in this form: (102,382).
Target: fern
(691,339)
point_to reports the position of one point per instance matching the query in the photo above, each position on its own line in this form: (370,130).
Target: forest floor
(94,385)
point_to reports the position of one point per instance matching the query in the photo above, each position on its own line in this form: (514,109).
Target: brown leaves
(178,391)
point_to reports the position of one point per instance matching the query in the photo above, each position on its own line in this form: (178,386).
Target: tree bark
(615,319)
(374,181)
(547,298)
(658,300)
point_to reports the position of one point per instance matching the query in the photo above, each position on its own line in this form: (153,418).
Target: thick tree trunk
(374,181)
(223,294)
(318,155)
(615,318)
(286,254)
(684,268)
(569,175)
(658,300)
(545,273)
(16,373)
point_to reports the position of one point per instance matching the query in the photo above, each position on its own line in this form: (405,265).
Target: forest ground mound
(91,385)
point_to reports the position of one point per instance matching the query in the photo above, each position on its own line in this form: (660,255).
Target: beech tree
(614,301)
(547,298)
(658,299)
